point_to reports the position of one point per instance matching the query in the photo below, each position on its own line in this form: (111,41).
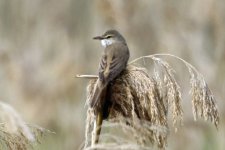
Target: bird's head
(110,37)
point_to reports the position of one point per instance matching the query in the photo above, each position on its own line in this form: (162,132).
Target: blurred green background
(45,43)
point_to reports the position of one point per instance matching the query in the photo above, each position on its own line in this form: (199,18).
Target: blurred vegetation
(44,43)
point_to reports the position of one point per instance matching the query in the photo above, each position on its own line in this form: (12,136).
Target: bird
(113,61)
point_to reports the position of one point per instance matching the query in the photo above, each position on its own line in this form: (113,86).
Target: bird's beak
(98,38)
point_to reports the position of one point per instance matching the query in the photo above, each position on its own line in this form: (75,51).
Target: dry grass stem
(203,101)
(15,134)
(87,76)
(114,141)
(139,104)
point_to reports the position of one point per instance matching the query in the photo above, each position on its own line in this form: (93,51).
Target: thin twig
(86,76)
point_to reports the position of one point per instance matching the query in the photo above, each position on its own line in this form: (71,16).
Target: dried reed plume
(139,104)
(15,134)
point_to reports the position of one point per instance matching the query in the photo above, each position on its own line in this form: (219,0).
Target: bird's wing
(113,61)
(100,86)
(102,67)
(116,61)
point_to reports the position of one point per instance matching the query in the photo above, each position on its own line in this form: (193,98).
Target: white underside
(106,42)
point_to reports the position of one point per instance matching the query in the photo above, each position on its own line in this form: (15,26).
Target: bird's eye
(108,36)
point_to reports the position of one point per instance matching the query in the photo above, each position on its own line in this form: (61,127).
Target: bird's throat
(106,42)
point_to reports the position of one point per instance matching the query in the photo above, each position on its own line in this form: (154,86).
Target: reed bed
(138,103)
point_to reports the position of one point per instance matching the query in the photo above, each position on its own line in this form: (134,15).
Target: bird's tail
(98,94)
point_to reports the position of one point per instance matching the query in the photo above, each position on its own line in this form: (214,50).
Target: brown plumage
(113,62)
